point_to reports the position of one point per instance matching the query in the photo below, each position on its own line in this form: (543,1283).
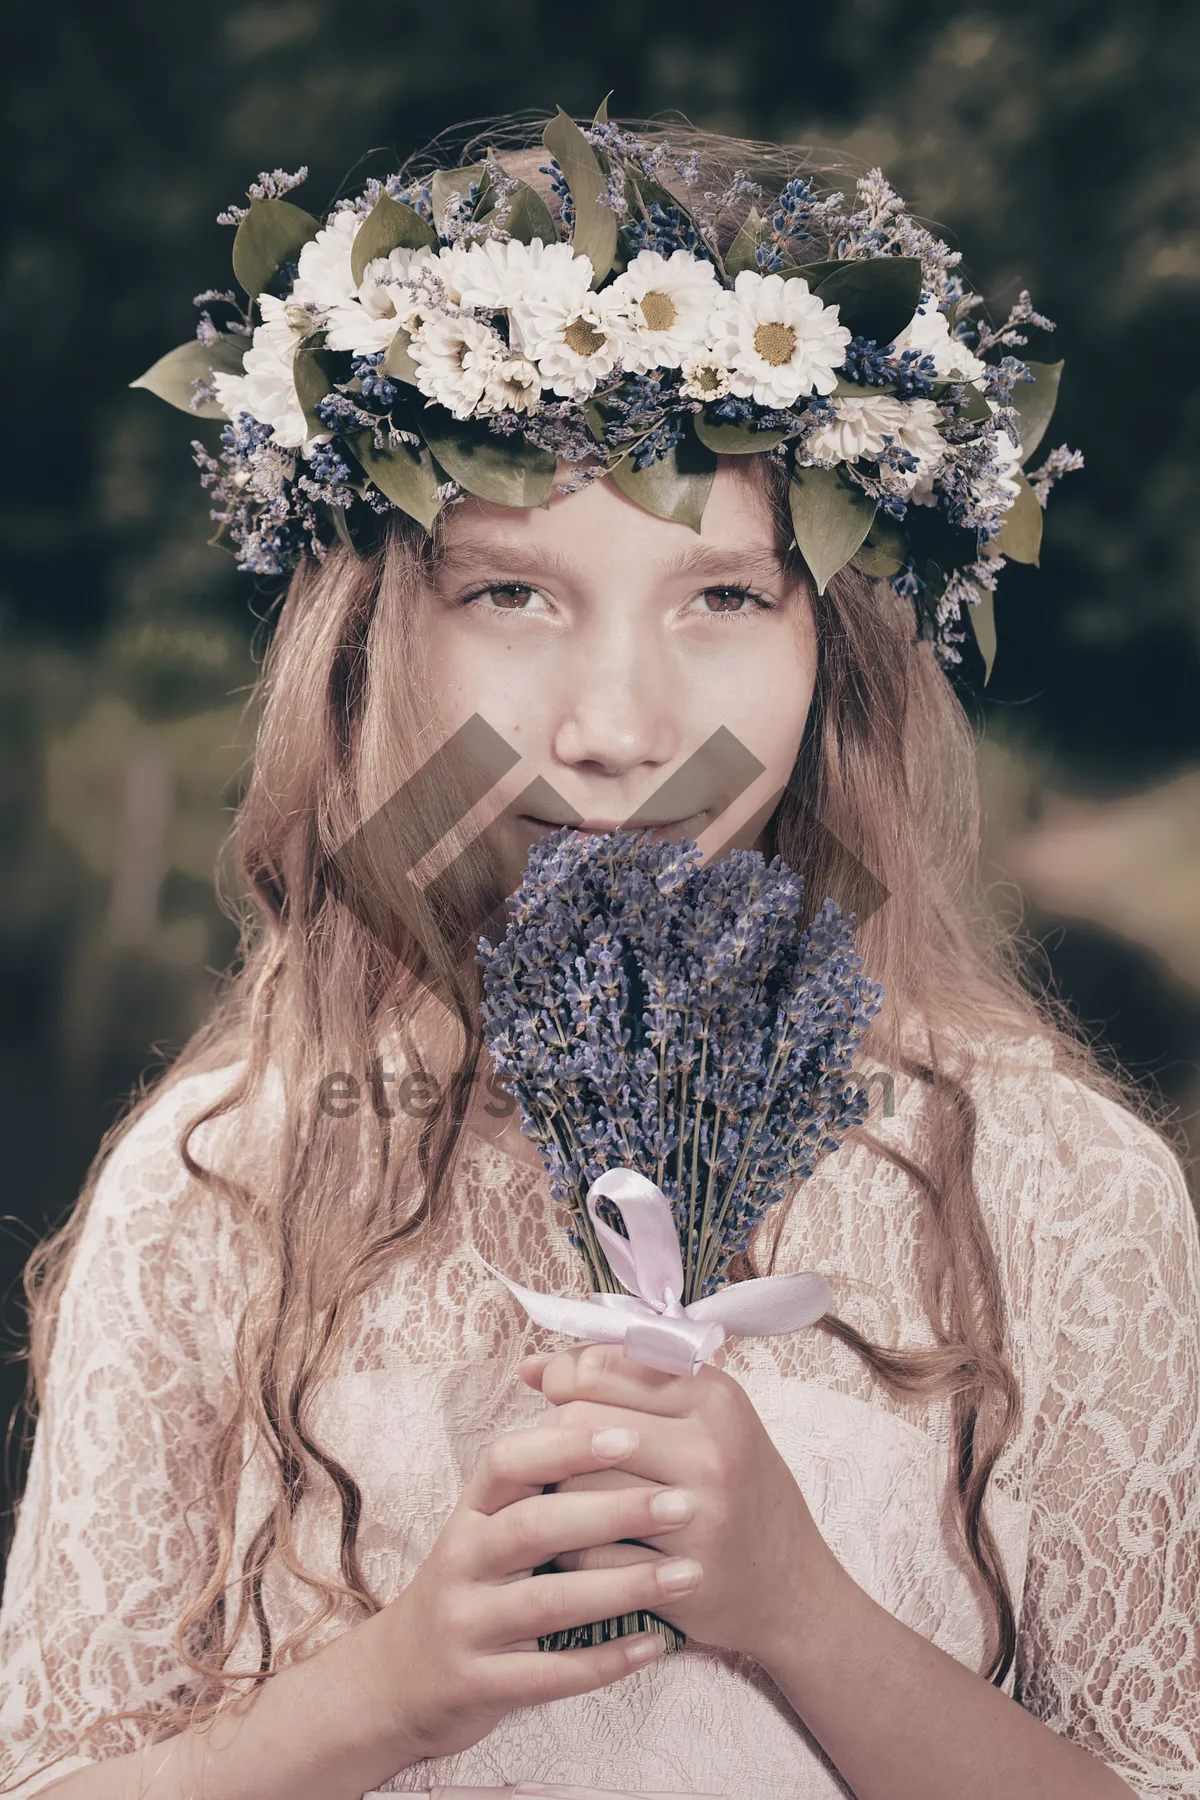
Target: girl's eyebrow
(701,559)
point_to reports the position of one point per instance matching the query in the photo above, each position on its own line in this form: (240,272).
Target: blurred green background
(1050,138)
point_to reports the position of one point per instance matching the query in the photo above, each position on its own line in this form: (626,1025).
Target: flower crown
(428,341)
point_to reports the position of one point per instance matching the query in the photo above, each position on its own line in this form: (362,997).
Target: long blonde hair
(884,791)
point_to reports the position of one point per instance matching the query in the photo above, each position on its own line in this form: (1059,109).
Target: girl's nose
(617,710)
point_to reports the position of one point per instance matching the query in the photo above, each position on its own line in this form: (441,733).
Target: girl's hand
(457,1648)
(766,1570)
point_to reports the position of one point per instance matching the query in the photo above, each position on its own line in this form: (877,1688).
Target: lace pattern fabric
(1095,1504)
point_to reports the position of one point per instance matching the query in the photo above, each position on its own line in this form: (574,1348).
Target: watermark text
(341,1094)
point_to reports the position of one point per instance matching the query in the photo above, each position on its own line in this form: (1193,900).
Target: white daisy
(266,388)
(704,378)
(667,303)
(575,339)
(370,319)
(777,340)
(512,385)
(928,332)
(863,426)
(497,276)
(324,280)
(455,358)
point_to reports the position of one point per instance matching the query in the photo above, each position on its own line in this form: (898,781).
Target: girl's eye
(736,594)
(506,589)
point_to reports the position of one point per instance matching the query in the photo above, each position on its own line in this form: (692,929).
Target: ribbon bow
(649,1320)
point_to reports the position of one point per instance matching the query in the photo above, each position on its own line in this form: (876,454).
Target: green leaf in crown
(174,376)
(388,226)
(508,473)
(272,234)
(831,518)
(674,486)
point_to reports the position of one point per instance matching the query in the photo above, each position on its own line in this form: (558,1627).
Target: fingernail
(672,1506)
(644,1650)
(614,1441)
(676,1576)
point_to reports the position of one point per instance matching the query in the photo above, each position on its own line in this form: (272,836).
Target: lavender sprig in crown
(648,1011)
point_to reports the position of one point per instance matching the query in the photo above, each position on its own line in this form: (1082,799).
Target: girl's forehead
(738,524)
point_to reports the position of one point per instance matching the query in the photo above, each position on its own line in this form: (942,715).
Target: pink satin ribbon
(649,1320)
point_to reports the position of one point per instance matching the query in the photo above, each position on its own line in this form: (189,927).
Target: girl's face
(646,673)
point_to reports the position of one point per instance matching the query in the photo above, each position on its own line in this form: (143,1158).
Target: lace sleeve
(108,1532)
(1108,1654)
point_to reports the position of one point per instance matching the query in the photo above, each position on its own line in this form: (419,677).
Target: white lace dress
(1096,1504)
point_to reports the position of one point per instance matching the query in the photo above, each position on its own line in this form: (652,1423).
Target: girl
(306,1486)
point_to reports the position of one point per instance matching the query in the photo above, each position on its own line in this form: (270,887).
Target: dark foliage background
(1050,136)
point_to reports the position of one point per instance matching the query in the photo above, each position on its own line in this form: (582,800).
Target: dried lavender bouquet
(648,1011)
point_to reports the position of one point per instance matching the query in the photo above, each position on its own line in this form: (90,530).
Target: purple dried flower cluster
(908,373)
(789,222)
(665,229)
(1022,313)
(648,1011)
(1059,462)
(558,186)
(282,523)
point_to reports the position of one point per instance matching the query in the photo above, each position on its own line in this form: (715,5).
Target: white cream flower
(283,324)
(448,268)
(777,340)
(266,388)
(455,358)
(383,303)
(324,280)
(513,385)
(496,276)
(919,435)
(667,302)
(928,332)
(704,378)
(575,339)
(862,427)
(859,428)
(231,393)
